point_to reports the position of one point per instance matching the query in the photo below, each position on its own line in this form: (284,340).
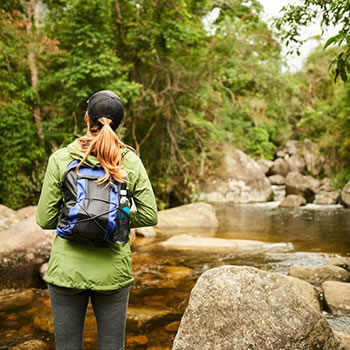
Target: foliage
(88,63)
(342,178)
(21,156)
(188,88)
(323,112)
(22,172)
(198,87)
(335,13)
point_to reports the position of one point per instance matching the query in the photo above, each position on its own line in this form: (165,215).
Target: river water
(164,277)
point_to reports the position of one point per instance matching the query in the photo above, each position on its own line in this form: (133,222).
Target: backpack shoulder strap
(123,184)
(71,165)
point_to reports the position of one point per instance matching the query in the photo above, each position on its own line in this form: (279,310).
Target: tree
(198,87)
(21,154)
(89,62)
(31,6)
(187,90)
(335,13)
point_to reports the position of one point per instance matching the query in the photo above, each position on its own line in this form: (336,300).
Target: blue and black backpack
(91,212)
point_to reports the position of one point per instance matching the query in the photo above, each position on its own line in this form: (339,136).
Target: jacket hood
(73,149)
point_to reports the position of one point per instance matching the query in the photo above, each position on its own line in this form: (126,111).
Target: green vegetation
(188,88)
(305,12)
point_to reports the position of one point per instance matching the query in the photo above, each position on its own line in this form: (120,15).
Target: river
(307,236)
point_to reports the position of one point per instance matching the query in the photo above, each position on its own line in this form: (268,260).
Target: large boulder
(290,148)
(292,201)
(344,339)
(296,163)
(314,161)
(277,180)
(341,262)
(279,192)
(240,180)
(188,216)
(305,186)
(243,308)
(10,299)
(308,291)
(345,195)
(26,212)
(319,274)
(302,155)
(327,198)
(280,167)
(8,218)
(326,185)
(265,164)
(23,249)
(337,297)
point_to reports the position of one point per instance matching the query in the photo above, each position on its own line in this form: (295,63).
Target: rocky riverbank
(167,263)
(293,179)
(298,175)
(241,308)
(25,247)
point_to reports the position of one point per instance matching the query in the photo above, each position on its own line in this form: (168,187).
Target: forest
(190,84)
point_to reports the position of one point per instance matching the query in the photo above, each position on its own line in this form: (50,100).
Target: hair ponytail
(105,145)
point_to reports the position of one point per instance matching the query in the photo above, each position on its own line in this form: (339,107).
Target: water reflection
(164,277)
(310,228)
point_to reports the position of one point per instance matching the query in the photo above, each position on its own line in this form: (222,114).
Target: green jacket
(82,266)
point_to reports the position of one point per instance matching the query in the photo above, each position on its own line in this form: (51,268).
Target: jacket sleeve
(50,198)
(143,196)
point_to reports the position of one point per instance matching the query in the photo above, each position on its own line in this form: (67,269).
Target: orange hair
(105,145)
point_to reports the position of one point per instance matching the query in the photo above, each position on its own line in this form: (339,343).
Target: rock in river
(8,217)
(277,180)
(345,195)
(242,308)
(211,244)
(319,274)
(327,198)
(305,186)
(23,249)
(341,262)
(10,299)
(293,201)
(141,316)
(239,179)
(188,216)
(337,297)
(265,165)
(344,338)
(31,345)
(296,163)
(280,167)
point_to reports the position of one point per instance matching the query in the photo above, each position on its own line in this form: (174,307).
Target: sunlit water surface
(307,236)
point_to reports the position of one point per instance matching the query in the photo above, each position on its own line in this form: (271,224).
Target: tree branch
(30,7)
(148,133)
(133,132)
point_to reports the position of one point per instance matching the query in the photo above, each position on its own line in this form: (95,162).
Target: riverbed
(164,277)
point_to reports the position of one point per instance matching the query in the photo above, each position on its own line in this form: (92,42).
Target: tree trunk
(30,7)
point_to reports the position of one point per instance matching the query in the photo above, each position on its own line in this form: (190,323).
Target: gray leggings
(69,309)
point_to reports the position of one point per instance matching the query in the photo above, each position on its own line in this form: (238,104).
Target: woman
(77,271)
